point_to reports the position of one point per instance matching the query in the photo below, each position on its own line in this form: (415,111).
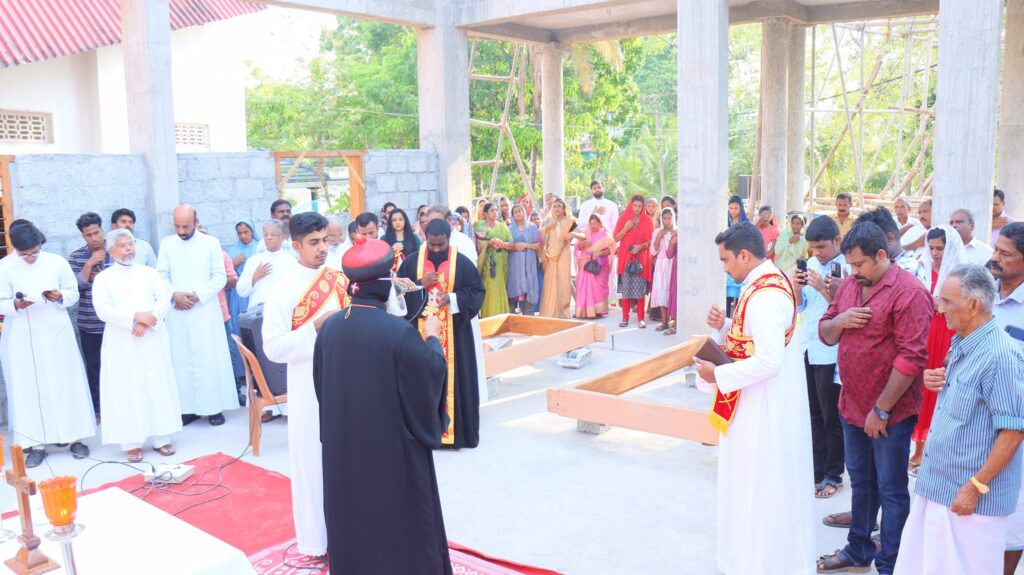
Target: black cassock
(380,388)
(469,292)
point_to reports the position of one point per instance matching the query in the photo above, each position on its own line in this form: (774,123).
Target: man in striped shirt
(86,262)
(971,474)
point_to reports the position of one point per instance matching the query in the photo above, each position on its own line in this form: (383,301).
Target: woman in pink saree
(595,245)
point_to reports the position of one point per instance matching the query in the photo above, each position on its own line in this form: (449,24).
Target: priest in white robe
(338,240)
(138,391)
(264,270)
(765,474)
(48,394)
(300,302)
(193,264)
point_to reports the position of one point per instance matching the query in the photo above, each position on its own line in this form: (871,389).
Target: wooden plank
(536,349)
(536,325)
(646,370)
(494,325)
(639,415)
(6,198)
(356,185)
(319,153)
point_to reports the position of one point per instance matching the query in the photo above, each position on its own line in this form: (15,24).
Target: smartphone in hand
(837,270)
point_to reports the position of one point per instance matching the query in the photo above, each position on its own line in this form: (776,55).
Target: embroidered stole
(740,346)
(445,284)
(329,283)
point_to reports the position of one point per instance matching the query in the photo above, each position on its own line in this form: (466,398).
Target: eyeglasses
(30,255)
(273,235)
(334,237)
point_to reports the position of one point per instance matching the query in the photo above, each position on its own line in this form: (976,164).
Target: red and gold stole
(445,284)
(739,346)
(327,284)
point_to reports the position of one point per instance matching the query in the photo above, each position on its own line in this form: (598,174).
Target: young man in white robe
(138,389)
(765,469)
(46,383)
(264,270)
(193,263)
(293,313)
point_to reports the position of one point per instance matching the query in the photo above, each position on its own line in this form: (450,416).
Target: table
(126,536)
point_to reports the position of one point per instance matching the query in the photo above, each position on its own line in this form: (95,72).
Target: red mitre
(368,260)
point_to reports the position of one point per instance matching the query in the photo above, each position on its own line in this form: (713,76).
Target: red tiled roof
(36,30)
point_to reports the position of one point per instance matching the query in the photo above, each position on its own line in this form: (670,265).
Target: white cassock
(281,264)
(765,472)
(467,247)
(138,391)
(335,253)
(937,541)
(48,394)
(295,348)
(202,364)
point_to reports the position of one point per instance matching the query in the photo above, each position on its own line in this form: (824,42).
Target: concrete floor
(536,490)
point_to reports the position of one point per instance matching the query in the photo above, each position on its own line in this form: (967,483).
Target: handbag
(592,267)
(634,267)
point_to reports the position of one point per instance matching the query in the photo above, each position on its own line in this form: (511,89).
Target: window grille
(26,127)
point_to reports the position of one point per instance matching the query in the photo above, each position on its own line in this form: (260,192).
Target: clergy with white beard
(265,269)
(137,384)
(299,304)
(193,264)
(46,383)
(765,475)
(337,241)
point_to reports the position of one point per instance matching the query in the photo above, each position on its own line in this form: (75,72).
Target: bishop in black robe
(465,298)
(382,411)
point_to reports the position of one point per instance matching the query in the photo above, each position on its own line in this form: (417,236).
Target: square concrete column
(703,87)
(797,141)
(442,58)
(774,112)
(147,75)
(967,88)
(1011,111)
(553,125)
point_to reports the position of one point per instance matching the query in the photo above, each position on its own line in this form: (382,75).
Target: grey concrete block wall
(408,178)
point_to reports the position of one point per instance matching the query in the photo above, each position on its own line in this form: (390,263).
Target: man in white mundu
(764,459)
(292,315)
(263,270)
(193,264)
(46,383)
(137,384)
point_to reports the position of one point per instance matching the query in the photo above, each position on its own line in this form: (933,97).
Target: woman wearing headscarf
(526,200)
(522,287)
(737,214)
(494,241)
(947,252)
(791,246)
(633,232)
(593,265)
(557,292)
(240,253)
(537,220)
(505,210)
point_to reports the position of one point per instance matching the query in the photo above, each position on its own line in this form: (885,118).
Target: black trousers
(91,344)
(826,427)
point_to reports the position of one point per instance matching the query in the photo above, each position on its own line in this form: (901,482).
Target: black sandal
(837,562)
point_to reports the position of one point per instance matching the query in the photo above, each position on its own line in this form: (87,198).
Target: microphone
(19,296)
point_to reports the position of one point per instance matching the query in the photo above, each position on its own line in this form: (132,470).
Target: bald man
(193,264)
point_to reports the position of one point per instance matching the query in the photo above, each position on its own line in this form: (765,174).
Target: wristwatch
(981,487)
(881,413)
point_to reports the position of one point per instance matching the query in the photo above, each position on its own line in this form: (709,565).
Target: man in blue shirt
(813,297)
(971,474)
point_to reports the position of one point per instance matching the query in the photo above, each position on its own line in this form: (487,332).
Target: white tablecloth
(126,536)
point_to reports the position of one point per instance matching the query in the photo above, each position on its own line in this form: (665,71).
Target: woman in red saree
(633,231)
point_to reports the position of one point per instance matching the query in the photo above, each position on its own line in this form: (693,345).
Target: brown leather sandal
(166,450)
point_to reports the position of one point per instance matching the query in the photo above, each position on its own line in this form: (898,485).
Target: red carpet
(251,510)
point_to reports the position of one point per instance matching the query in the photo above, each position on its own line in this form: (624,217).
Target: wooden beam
(318,153)
(646,370)
(539,348)
(494,325)
(651,417)
(356,185)
(537,325)
(7,198)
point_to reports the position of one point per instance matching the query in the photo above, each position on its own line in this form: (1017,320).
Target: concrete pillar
(796,142)
(1011,111)
(967,86)
(442,56)
(703,88)
(774,113)
(553,125)
(147,75)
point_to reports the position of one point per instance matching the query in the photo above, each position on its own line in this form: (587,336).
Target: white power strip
(169,473)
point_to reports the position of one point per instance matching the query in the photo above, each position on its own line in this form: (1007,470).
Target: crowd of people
(912,336)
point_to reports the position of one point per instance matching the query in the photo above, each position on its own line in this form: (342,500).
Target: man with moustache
(609,214)
(879,318)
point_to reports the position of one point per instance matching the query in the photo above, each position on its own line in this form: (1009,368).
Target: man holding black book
(760,408)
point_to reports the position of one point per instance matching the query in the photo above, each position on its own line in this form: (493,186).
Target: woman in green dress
(493,243)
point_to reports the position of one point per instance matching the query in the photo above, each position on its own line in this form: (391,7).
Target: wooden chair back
(256,403)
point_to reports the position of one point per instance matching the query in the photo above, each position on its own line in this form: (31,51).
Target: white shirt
(608,219)
(1009,313)
(281,264)
(334,255)
(978,252)
(814,306)
(286,245)
(144,253)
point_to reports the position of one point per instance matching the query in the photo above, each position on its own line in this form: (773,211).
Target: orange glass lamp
(60,502)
